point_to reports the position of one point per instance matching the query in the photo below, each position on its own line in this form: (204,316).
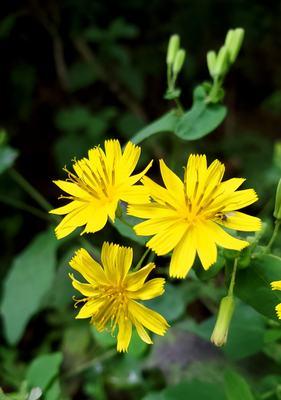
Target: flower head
(276,285)
(97,185)
(112,292)
(187,216)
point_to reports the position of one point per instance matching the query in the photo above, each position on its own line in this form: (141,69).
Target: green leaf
(7,157)
(201,119)
(172,304)
(43,370)
(253,284)
(167,123)
(30,277)
(125,228)
(246,333)
(236,387)
(81,75)
(194,390)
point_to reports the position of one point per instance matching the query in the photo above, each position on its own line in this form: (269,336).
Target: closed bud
(229,38)
(220,332)
(277,208)
(211,62)
(222,62)
(235,42)
(179,60)
(173,47)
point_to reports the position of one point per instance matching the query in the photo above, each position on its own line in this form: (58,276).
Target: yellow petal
(88,267)
(223,239)
(278,310)
(148,318)
(241,222)
(113,152)
(183,256)
(124,334)
(165,241)
(85,288)
(90,308)
(142,333)
(124,261)
(159,194)
(67,208)
(151,210)
(73,220)
(109,261)
(129,160)
(135,194)
(154,225)
(135,280)
(172,182)
(135,178)
(151,289)
(96,220)
(276,285)
(240,199)
(205,246)
(73,189)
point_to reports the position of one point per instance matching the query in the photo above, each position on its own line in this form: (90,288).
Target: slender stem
(22,206)
(233,275)
(274,235)
(91,363)
(34,193)
(179,106)
(139,264)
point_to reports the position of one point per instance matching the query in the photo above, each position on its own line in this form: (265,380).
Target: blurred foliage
(74,73)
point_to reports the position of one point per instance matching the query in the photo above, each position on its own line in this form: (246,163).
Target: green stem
(139,264)
(233,276)
(274,235)
(89,364)
(22,206)
(34,193)
(214,90)
(180,108)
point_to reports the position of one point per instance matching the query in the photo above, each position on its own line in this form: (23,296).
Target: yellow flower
(112,292)
(186,216)
(99,182)
(276,285)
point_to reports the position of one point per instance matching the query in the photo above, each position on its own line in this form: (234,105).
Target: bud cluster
(219,64)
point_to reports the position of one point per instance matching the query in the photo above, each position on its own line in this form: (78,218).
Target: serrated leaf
(201,119)
(28,280)
(253,284)
(167,123)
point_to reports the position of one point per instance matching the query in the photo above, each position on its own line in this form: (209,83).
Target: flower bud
(173,47)
(179,60)
(211,62)
(220,332)
(233,43)
(277,209)
(222,61)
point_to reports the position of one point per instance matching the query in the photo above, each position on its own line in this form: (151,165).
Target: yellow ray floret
(112,291)
(187,216)
(276,285)
(97,185)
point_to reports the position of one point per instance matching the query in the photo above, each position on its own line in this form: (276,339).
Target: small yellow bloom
(186,217)
(276,285)
(99,182)
(112,292)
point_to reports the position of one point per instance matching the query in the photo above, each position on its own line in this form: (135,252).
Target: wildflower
(276,285)
(99,182)
(186,217)
(220,332)
(112,292)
